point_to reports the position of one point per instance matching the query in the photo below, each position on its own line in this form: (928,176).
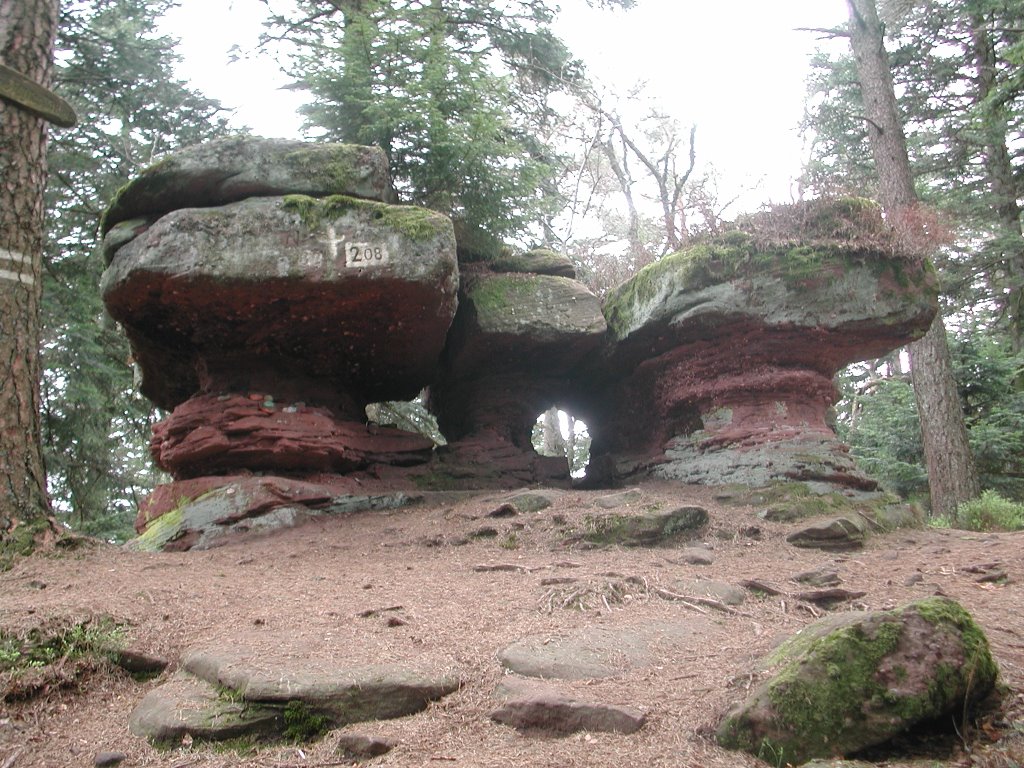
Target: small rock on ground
(717,590)
(108,759)
(539,707)
(819,577)
(620,499)
(354,746)
(837,535)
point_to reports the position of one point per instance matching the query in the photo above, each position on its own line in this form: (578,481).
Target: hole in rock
(559,433)
(411,416)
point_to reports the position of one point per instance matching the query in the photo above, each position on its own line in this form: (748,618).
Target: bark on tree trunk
(27,29)
(1002,179)
(552,442)
(952,476)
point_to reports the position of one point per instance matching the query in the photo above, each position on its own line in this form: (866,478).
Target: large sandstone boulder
(853,680)
(338,293)
(727,350)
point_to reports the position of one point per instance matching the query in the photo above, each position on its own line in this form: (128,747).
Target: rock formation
(272,290)
(268,319)
(515,341)
(723,355)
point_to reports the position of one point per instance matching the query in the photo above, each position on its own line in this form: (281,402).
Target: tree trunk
(27,29)
(1002,180)
(952,476)
(552,442)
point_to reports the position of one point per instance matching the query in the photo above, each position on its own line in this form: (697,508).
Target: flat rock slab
(620,499)
(209,512)
(531,706)
(346,695)
(533,501)
(231,169)
(837,535)
(223,695)
(186,705)
(696,556)
(599,652)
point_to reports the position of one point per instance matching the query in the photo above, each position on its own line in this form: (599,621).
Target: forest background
(487,114)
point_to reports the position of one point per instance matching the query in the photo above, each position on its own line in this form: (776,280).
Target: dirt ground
(305,588)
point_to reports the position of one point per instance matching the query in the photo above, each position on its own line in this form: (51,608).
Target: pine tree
(118,72)
(952,476)
(27,29)
(456,92)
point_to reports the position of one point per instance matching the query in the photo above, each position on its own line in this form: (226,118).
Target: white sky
(736,68)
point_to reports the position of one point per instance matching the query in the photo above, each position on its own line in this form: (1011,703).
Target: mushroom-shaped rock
(729,349)
(513,346)
(231,169)
(267,300)
(853,680)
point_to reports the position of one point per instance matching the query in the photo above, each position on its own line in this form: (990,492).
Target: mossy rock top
(543,306)
(831,285)
(231,169)
(479,248)
(523,321)
(851,681)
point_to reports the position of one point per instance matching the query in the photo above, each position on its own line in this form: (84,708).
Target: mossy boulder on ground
(851,681)
(643,529)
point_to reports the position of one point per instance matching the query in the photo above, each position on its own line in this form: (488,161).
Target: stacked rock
(722,356)
(524,325)
(270,290)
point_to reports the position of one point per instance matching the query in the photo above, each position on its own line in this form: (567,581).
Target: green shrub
(991,512)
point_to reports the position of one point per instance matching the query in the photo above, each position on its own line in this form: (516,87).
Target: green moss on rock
(336,169)
(498,293)
(416,224)
(21,541)
(161,530)
(842,684)
(804,246)
(303,723)
(643,529)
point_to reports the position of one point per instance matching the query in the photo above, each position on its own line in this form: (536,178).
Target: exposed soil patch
(424,583)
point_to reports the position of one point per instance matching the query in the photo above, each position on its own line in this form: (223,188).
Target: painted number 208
(365,255)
